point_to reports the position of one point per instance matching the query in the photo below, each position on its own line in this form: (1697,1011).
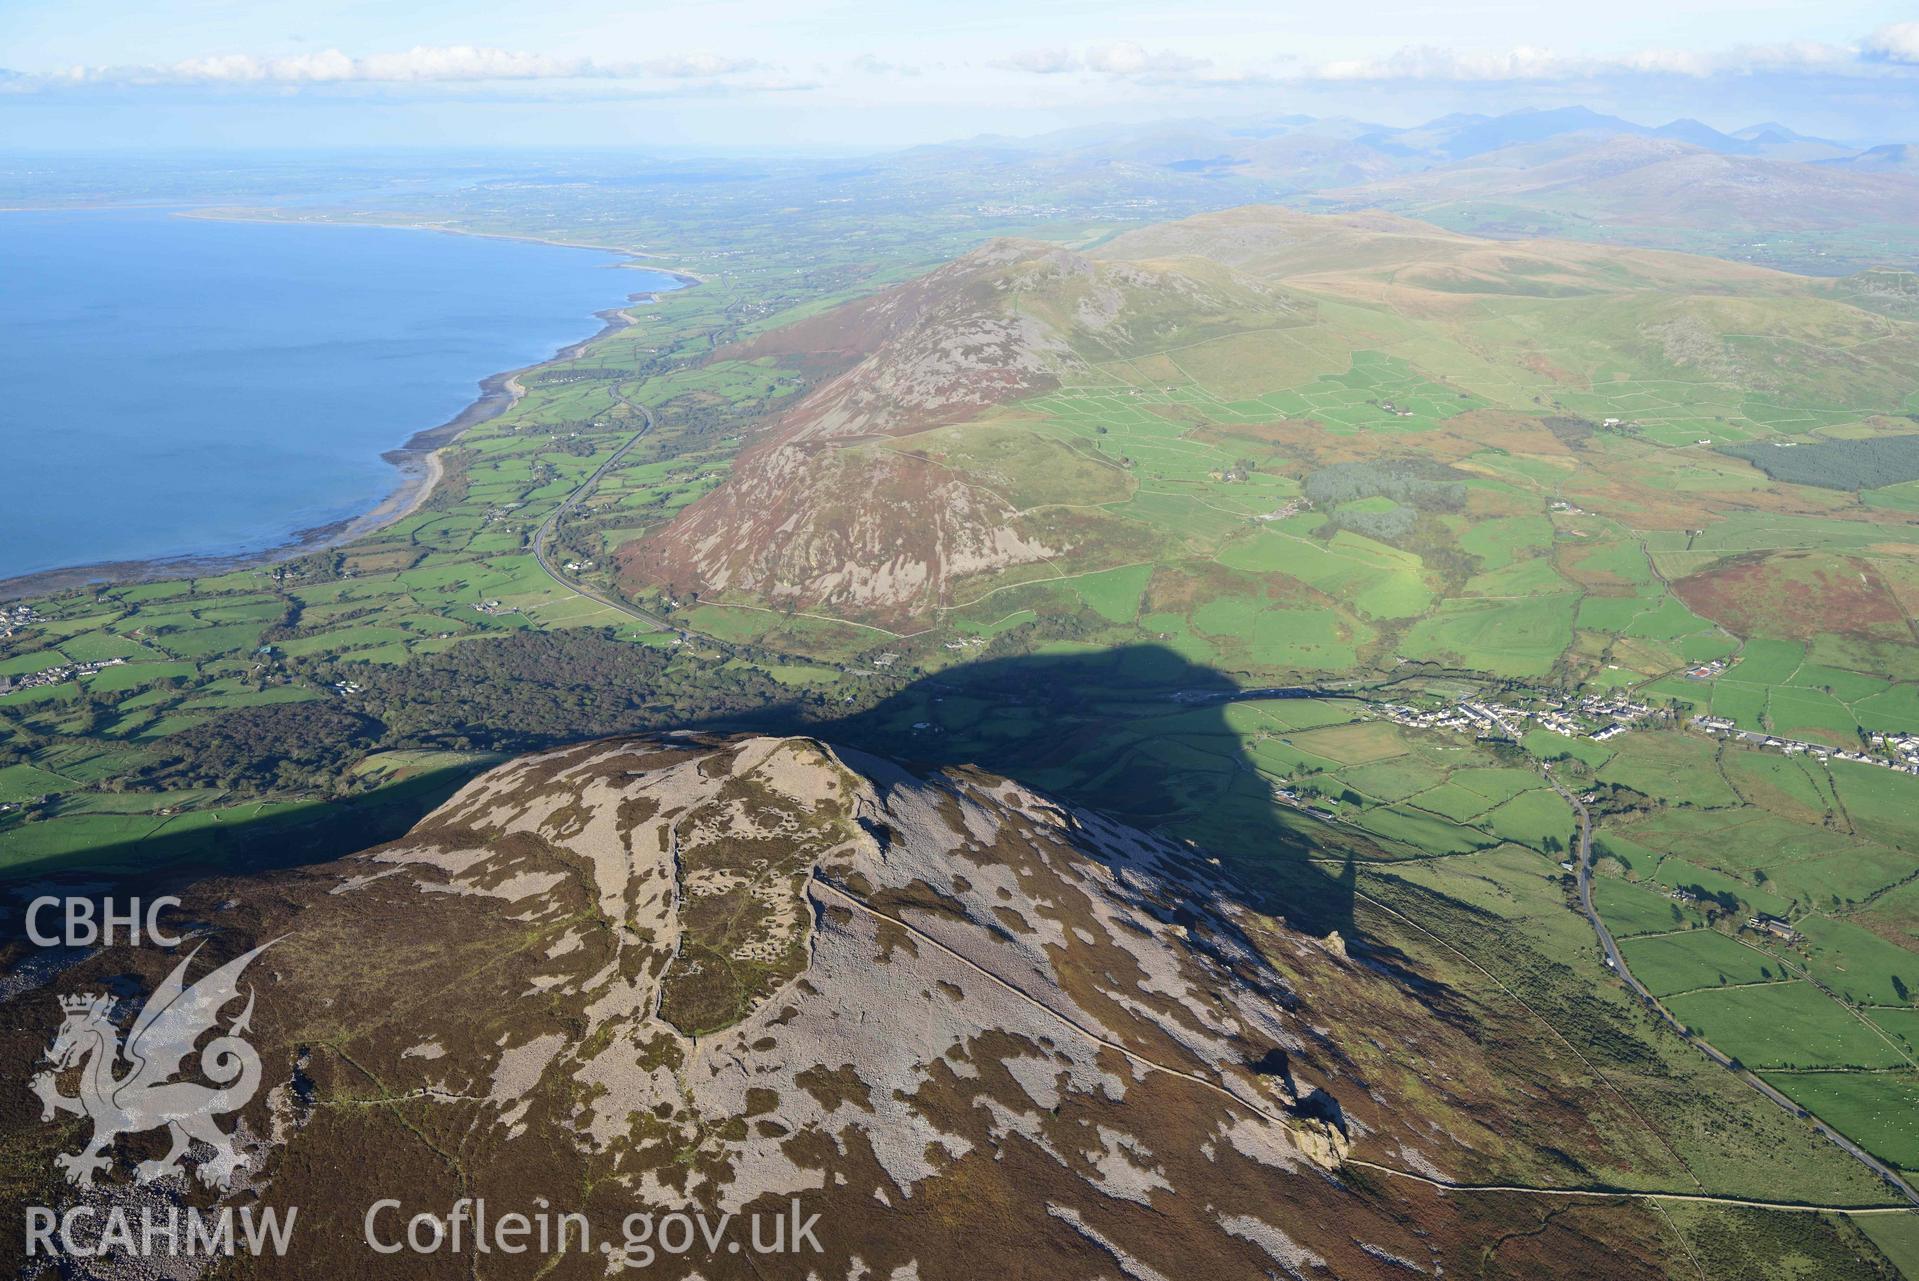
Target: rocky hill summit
(976,1031)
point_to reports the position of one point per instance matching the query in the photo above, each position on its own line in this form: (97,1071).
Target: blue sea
(175,386)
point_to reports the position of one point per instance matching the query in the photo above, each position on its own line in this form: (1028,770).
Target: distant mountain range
(1251,145)
(1894,157)
(1765,193)
(1461,136)
(1588,187)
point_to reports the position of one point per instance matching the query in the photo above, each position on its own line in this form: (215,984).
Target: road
(1583,866)
(543,536)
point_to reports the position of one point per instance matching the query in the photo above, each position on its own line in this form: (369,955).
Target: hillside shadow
(302,835)
(1139,733)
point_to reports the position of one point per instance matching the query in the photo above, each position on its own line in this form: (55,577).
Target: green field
(1882,1108)
(1696,959)
(1784,1025)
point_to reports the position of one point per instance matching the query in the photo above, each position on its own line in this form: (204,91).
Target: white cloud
(690,65)
(1891,51)
(873,65)
(423,64)
(1121,58)
(1897,42)
(1425,62)
(1043,62)
(1527,63)
(1521,63)
(1124,58)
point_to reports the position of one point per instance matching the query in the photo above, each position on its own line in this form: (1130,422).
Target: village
(1602,716)
(1901,751)
(1595,716)
(54,675)
(14,617)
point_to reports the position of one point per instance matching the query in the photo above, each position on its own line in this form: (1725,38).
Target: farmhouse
(1776,927)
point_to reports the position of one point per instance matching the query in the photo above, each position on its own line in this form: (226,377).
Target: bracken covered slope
(978,1032)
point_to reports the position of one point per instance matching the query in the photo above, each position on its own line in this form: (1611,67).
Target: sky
(776,75)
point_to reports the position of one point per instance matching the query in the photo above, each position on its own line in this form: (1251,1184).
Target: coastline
(228,213)
(417,458)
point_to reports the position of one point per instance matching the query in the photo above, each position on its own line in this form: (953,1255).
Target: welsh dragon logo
(145,1096)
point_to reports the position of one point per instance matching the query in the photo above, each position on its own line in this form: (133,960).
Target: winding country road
(543,536)
(1583,866)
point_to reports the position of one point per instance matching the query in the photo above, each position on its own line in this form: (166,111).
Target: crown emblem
(85,1002)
